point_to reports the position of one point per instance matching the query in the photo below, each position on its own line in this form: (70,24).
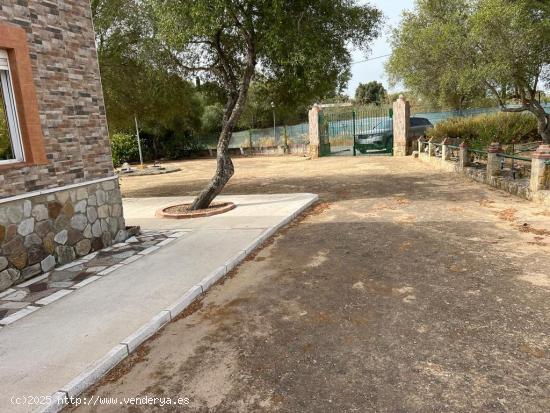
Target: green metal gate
(363,131)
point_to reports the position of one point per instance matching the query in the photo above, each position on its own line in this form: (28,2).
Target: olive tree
(459,50)
(429,53)
(370,93)
(511,41)
(230,41)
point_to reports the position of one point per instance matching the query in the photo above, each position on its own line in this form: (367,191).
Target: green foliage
(294,54)
(212,118)
(512,39)
(145,49)
(480,131)
(299,63)
(430,53)
(124,148)
(456,51)
(5,142)
(135,79)
(258,111)
(370,93)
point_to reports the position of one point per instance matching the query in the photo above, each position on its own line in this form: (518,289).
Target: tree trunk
(543,120)
(224,165)
(155,147)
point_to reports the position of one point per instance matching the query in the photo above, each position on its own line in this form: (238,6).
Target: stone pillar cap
(464,144)
(422,139)
(542,152)
(494,147)
(446,141)
(431,139)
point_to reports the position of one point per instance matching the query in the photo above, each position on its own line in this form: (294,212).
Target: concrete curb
(129,344)
(145,331)
(58,401)
(98,370)
(185,301)
(211,279)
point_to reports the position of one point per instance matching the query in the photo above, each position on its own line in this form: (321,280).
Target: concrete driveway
(405,290)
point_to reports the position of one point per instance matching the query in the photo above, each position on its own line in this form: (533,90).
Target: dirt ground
(404,290)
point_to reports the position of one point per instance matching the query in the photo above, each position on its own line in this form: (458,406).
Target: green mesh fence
(439,116)
(271,137)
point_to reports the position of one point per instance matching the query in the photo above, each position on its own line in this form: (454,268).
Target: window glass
(419,122)
(10,136)
(6,148)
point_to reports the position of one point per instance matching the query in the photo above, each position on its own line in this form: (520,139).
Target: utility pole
(138,142)
(274,124)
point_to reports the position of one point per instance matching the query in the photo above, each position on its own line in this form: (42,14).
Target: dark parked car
(380,139)
(419,127)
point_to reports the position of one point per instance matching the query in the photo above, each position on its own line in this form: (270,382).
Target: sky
(374,69)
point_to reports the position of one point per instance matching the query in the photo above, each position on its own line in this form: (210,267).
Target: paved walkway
(25,298)
(44,351)
(406,290)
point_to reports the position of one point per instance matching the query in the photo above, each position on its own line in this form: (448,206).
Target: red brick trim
(14,40)
(542,152)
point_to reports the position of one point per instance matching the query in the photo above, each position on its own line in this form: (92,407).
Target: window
(21,139)
(10,136)
(420,122)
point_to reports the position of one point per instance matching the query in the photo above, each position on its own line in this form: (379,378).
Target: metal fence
(339,127)
(367,130)
(290,135)
(439,116)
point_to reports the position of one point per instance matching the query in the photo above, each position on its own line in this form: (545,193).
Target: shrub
(124,148)
(479,131)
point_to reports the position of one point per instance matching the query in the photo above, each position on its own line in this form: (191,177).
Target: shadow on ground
(414,293)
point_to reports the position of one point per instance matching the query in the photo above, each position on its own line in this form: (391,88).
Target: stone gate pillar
(539,170)
(314,132)
(493,163)
(463,156)
(401,126)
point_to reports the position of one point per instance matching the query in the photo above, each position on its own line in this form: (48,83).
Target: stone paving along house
(59,197)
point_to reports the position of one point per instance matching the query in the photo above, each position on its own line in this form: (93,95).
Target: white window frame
(11,109)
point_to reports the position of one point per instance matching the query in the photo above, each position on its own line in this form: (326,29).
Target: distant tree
(370,93)
(211,119)
(429,50)
(291,96)
(224,40)
(133,84)
(511,42)
(336,98)
(457,51)
(257,112)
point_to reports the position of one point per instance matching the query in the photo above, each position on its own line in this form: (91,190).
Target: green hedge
(479,131)
(124,148)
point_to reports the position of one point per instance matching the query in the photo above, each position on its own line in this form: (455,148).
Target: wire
(372,58)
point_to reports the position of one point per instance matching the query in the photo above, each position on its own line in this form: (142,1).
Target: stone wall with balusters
(537,189)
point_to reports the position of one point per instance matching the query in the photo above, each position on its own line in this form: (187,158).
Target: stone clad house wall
(68,204)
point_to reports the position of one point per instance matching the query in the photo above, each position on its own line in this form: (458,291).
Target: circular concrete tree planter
(180,211)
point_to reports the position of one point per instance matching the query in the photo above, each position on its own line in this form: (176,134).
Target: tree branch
(515,110)
(495,91)
(192,69)
(225,68)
